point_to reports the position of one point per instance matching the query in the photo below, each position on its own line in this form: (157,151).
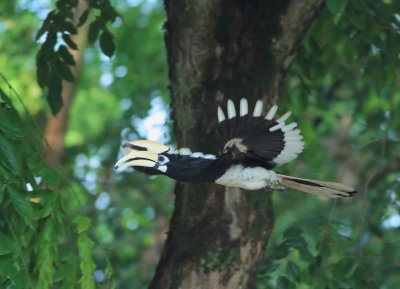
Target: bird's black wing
(253,138)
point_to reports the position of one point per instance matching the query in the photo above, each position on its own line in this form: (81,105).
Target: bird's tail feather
(319,188)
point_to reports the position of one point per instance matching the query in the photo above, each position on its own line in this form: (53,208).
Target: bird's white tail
(319,188)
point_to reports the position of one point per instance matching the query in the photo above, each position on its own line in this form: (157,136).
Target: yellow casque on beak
(137,159)
(145,145)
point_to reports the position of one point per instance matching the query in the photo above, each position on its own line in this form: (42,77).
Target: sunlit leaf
(82,223)
(45,254)
(5,97)
(85,245)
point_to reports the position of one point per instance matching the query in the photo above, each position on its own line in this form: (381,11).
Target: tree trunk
(218,50)
(56,126)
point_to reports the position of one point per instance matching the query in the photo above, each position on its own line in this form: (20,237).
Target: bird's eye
(162,160)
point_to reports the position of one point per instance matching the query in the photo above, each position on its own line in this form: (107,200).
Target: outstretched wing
(246,137)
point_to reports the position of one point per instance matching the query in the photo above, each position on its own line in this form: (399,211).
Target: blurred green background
(343,90)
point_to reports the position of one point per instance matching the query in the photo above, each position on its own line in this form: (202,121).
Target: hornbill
(251,146)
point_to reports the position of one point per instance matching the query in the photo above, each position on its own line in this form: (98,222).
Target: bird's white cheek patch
(162,169)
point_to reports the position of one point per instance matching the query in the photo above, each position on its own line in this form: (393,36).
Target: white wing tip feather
(197,155)
(231,109)
(185,151)
(284,117)
(271,113)
(276,127)
(209,157)
(221,115)
(293,144)
(293,139)
(244,107)
(258,108)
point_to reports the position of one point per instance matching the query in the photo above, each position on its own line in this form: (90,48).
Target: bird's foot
(272,182)
(278,188)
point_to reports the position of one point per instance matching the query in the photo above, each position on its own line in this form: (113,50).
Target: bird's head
(144,154)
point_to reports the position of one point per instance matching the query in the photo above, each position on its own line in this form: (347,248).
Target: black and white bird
(251,146)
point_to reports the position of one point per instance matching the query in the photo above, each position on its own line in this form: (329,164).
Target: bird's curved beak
(136,158)
(145,145)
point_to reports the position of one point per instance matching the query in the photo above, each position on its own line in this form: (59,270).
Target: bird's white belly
(248,178)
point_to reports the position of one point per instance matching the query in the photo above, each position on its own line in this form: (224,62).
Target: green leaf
(107,44)
(284,283)
(71,44)
(305,255)
(46,24)
(50,175)
(64,70)
(6,175)
(54,94)
(65,55)
(69,27)
(94,30)
(7,268)
(357,19)
(68,272)
(6,244)
(22,206)
(62,272)
(293,270)
(280,251)
(293,232)
(85,246)
(45,249)
(271,268)
(83,17)
(2,190)
(336,6)
(8,155)
(42,67)
(11,123)
(82,223)
(21,279)
(344,267)
(48,198)
(5,97)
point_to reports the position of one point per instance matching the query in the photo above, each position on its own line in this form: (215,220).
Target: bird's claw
(273,187)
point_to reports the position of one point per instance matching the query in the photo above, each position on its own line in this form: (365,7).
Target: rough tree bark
(220,49)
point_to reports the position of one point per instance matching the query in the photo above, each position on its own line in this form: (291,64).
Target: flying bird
(251,146)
